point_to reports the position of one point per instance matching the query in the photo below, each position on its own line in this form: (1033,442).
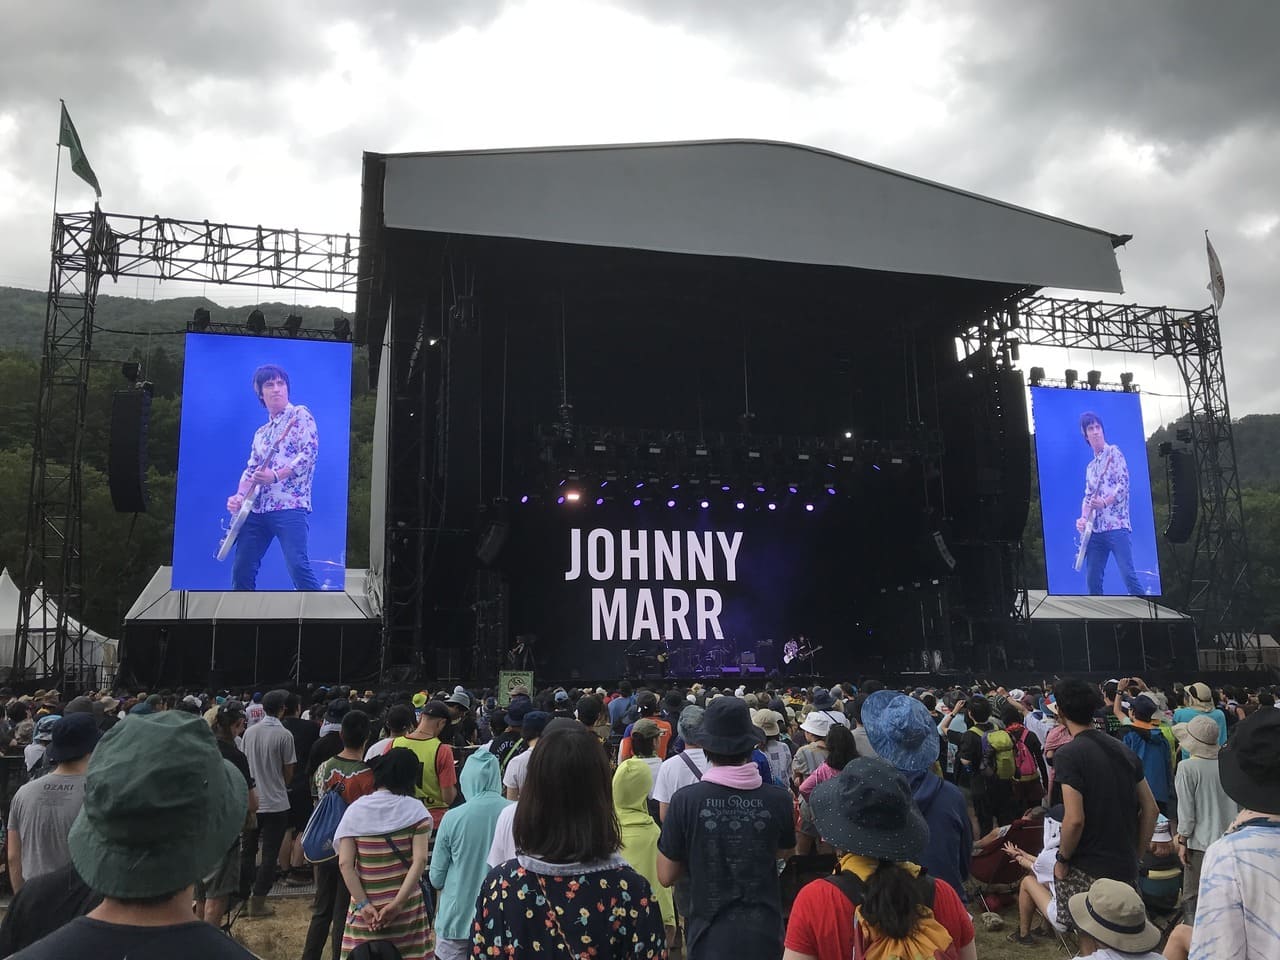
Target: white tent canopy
(99,650)
(1043,606)
(160,603)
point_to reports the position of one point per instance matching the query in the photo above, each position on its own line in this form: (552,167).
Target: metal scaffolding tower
(1216,590)
(86,247)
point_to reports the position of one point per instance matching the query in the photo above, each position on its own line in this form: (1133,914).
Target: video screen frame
(265,419)
(1091,461)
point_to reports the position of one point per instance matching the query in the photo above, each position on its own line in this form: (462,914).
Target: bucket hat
(767,721)
(726,727)
(1198,736)
(1249,764)
(73,737)
(1200,696)
(516,712)
(1112,913)
(44,728)
(901,731)
(161,807)
(867,809)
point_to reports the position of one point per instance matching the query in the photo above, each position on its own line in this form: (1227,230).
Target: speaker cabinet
(127,455)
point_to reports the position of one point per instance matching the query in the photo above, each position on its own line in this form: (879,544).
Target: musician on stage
(282,459)
(1106,500)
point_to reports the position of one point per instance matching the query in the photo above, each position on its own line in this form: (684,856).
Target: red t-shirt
(821,922)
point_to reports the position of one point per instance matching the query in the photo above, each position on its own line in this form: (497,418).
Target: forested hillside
(121,554)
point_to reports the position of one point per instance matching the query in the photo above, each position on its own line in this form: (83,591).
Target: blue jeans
(1105,543)
(287,526)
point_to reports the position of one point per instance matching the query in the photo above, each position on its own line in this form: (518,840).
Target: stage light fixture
(292,324)
(635,502)
(573,496)
(773,506)
(560,499)
(792,489)
(1094,378)
(1037,376)
(759,488)
(808,508)
(848,434)
(675,486)
(740,505)
(256,322)
(724,487)
(831,491)
(525,498)
(342,328)
(1126,382)
(704,504)
(671,503)
(639,484)
(130,370)
(599,501)
(1071,377)
(200,319)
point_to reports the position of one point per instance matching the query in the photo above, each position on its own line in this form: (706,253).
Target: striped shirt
(381,874)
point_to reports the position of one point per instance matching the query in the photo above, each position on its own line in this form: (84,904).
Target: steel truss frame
(86,247)
(1216,590)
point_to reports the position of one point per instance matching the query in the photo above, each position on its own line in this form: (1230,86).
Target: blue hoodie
(950,833)
(458,861)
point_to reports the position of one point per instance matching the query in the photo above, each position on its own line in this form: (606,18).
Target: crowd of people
(621,822)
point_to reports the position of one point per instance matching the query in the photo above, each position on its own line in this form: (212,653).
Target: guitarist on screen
(282,461)
(1105,510)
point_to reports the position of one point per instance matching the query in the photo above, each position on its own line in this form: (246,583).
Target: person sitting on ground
(568,887)
(458,864)
(904,733)
(727,833)
(143,848)
(1035,891)
(1160,870)
(1112,923)
(880,894)
(42,811)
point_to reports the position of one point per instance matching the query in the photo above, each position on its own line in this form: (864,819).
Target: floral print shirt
(1113,482)
(297,451)
(531,908)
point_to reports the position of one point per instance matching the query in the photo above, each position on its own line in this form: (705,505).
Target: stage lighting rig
(1071,377)
(1094,378)
(256,322)
(130,370)
(1037,376)
(200,320)
(1126,382)
(292,324)
(342,328)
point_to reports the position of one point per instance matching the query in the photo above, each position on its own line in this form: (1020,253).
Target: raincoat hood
(481,774)
(631,785)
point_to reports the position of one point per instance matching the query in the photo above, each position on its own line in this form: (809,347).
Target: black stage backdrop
(595,582)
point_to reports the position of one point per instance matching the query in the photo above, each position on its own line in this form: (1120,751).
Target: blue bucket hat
(901,730)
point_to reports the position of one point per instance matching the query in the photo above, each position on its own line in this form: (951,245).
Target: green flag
(67,137)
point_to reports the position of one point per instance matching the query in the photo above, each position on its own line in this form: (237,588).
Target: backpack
(1024,764)
(317,838)
(997,755)
(929,939)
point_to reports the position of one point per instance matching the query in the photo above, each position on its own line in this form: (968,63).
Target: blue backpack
(317,838)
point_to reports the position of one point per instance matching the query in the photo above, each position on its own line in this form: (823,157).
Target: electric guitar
(250,498)
(1089,517)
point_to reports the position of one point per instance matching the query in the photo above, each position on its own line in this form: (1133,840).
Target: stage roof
(752,199)
(1046,607)
(159,603)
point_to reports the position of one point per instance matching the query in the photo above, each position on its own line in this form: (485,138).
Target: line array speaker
(127,453)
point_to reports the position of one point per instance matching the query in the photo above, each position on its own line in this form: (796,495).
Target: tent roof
(11,597)
(158,602)
(1046,607)
(757,199)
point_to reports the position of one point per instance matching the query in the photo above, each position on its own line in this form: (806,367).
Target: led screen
(1095,493)
(266,419)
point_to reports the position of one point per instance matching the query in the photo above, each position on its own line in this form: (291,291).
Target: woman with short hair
(568,889)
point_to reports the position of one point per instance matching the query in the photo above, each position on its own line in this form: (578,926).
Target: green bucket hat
(161,807)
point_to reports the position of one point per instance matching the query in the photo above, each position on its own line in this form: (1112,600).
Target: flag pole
(57,172)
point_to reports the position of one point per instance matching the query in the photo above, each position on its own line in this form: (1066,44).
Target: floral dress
(530,908)
(381,874)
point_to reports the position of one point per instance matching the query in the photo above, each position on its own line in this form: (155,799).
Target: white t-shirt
(517,770)
(1106,953)
(503,847)
(378,749)
(674,773)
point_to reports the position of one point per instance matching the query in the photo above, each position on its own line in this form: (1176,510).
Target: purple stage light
(759,488)
(773,506)
(525,498)
(635,502)
(809,507)
(640,484)
(704,504)
(724,487)
(740,505)
(599,501)
(671,503)
(559,499)
(792,489)
(603,484)
(876,467)
(831,490)
(675,486)
(563,482)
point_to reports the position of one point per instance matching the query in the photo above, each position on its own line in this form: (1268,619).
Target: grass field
(280,937)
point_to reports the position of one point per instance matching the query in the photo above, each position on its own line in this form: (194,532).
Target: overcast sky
(1159,119)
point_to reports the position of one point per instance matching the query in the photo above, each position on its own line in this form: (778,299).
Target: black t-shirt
(44,904)
(728,840)
(84,937)
(1106,773)
(238,760)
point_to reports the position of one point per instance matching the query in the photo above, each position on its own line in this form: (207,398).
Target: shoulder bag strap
(693,767)
(424,885)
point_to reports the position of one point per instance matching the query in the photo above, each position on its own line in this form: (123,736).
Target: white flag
(1217,285)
